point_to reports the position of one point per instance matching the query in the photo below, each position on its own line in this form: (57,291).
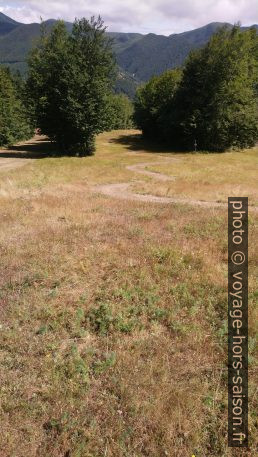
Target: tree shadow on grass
(36,148)
(136,142)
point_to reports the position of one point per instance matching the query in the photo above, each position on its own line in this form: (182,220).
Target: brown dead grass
(113,314)
(211,177)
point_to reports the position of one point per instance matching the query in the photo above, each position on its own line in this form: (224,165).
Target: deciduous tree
(14,119)
(69,79)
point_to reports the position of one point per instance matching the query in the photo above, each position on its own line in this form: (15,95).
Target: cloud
(158,16)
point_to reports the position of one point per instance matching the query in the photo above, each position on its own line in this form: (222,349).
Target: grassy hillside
(114,311)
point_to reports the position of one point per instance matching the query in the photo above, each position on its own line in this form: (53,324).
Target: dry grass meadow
(113,311)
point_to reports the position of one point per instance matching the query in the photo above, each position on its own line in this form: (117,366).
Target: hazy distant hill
(7,24)
(138,56)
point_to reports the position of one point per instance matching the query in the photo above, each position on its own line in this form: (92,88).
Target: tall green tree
(69,79)
(14,119)
(153,103)
(119,113)
(216,103)
(47,82)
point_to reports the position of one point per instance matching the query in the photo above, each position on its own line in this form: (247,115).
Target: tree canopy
(215,102)
(70,76)
(14,119)
(119,113)
(153,102)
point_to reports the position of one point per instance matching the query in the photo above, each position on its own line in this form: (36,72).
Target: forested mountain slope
(139,56)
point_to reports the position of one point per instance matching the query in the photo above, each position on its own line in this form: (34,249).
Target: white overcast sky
(157,16)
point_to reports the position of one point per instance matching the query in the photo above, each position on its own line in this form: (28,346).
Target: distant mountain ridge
(138,56)
(7,24)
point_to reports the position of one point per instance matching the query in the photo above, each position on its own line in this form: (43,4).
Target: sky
(151,16)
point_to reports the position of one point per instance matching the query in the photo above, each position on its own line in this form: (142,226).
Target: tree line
(68,93)
(210,104)
(15,122)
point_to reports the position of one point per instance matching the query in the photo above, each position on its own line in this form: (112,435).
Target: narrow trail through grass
(113,333)
(122,190)
(13,158)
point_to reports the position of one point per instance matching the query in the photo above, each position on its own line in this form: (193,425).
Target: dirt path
(141,168)
(23,152)
(122,190)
